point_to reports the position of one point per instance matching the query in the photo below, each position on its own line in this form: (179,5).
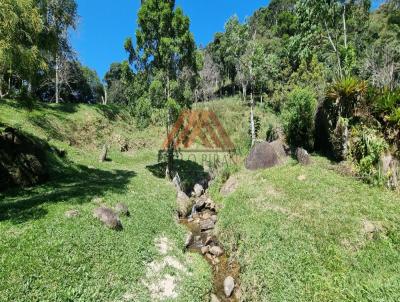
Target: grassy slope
(235,117)
(296,240)
(47,257)
(304,240)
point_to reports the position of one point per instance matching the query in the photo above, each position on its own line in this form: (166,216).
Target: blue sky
(104,25)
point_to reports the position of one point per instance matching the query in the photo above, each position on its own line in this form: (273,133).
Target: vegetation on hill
(305,233)
(47,256)
(319,75)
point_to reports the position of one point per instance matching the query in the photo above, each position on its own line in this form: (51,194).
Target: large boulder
(185,204)
(108,217)
(22,160)
(263,155)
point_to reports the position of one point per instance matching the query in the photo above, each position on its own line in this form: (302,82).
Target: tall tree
(20,57)
(59,16)
(337,26)
(165,47)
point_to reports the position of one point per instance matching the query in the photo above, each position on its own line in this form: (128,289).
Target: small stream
(202,240)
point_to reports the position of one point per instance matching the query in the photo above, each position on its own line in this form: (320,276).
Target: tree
(209,77)
(59,16)
(165,47)
(252,67)
(337,25)
(20,57)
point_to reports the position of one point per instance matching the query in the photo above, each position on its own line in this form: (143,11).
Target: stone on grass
(230,186)
(302,177)
(122,209)
(214,298)
(108,217)
(71,213)
(229,285)
(185,205)
(103,154)
(303,157)
(262,156)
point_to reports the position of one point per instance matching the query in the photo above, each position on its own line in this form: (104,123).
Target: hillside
(298,233)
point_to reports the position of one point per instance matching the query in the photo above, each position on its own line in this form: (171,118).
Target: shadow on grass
(78,185)
(189,172)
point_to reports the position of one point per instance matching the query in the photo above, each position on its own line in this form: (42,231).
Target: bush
(299,118)
(271,133)
(366,148)
(143,110)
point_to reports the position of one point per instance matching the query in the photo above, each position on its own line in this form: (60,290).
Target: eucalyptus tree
(165,48)
(335,26)
(20,56)
(252,66)
(59,16)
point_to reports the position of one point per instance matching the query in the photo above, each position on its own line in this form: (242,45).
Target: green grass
(304,240)
(295,240)
(46,257)
(234,115)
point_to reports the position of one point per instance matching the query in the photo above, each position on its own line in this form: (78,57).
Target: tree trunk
(344,26)
(57,80)
(252,125)
(170,149)
(105,98)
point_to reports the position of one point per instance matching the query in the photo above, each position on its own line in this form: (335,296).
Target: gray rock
(207,224)
(262,156)
(216,251)
(200,203)
(205,249)
(303,157)
(108,217)
(122,209)
(198,190)
(71,213)
(230,186)
(185,205)
(189,239)
(103,154)
(229,285)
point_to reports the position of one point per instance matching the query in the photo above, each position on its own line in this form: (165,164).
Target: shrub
(299,118)
(271,134)
(142,112)
(366,148)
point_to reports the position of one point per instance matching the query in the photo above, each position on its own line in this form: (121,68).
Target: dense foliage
(299,117)
(36,58)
